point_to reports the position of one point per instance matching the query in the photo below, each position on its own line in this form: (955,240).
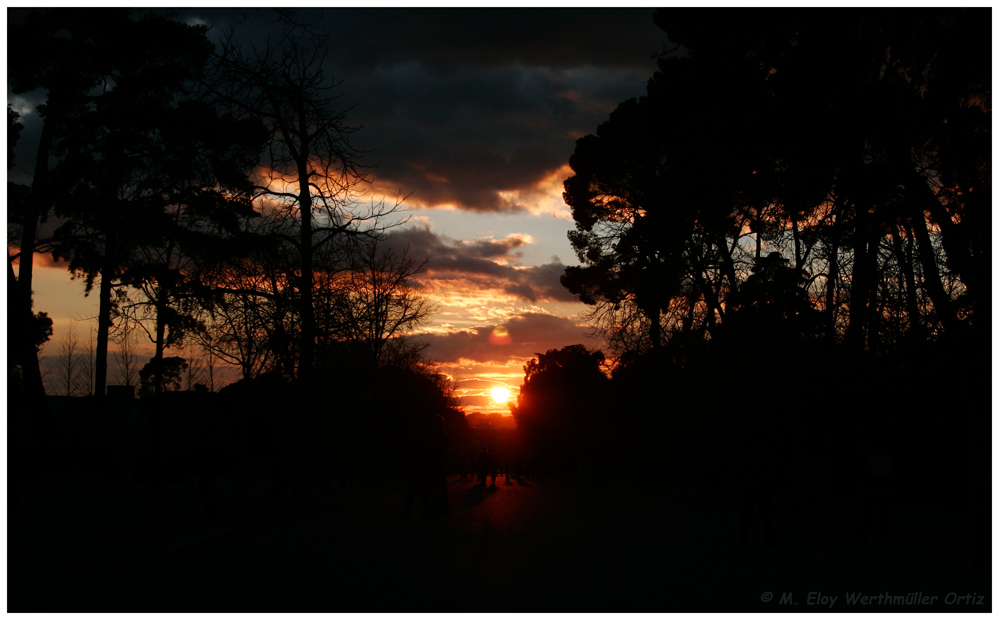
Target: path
(518,547)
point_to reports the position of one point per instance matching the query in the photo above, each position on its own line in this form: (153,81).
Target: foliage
(772,306)
(560,407)
(166,369)
(680,194)
(41,330)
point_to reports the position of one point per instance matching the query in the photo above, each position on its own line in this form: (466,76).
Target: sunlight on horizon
(500,394)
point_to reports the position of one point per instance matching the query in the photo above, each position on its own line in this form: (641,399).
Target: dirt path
(517,547)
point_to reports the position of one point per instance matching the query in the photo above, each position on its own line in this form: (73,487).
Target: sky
(474,114)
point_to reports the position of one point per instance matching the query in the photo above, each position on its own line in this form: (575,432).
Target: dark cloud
(492,248)
(530,334)
(545,37)
(458,105)
(540,283)
(450,38)
(464,137)
(461,104)
(474,262)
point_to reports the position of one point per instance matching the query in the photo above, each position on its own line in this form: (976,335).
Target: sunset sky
(475,112)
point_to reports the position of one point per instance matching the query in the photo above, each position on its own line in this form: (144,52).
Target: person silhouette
(493,468)
(482,466)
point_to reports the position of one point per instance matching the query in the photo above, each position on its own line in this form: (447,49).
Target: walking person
(482,467)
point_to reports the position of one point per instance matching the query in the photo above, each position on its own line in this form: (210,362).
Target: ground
(523,546)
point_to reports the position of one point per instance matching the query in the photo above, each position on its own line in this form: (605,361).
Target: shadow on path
(543,548)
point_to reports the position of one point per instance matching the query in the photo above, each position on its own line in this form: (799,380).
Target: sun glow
(500,394)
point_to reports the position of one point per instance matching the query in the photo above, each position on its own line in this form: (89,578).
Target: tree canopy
(829,136)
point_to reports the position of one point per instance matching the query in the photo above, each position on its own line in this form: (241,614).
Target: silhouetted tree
(773,307)
(171,273)
(662,196)
(900,88)
(674,191)
(312,174)
(370,306)
(561,404)
(68,363)
(250,322)
(65,53)
(161,374)
(125,337)
(120,152)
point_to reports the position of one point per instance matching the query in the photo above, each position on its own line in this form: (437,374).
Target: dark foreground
(520,547)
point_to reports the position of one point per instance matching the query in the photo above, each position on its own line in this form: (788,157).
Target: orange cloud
(483,268)
(39,260)
(543,197)
(528,334)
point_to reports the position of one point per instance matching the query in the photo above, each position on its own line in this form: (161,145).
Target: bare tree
(374,303)
(45,368)
(88,372)
(128,353)
(211,362)
(68,359)
(193,374)
(250,324)
(313,176)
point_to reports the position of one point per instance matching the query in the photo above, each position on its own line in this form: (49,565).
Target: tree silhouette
(371,305)
(662,195)
(560,407)
(312,174)
(893,104)
(161,374)
(119,151)
(773,307)
(679,194)
(204,198)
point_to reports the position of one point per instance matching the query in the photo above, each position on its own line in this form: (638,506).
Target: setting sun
(500,394)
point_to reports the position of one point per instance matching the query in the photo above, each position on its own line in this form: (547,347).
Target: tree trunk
(28,356)
(796,235)
(831,282)
(306,310)
(655,328)
(727,263)
(759,239)
(161,307)
(953,237)
(155,412)
(859,283)
(905,258)
(874,307)
(931,275)
(921,200)
(103,326)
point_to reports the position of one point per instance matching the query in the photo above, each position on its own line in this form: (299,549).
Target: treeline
(255,440)
(211,196)
(820,427)
(787,245)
